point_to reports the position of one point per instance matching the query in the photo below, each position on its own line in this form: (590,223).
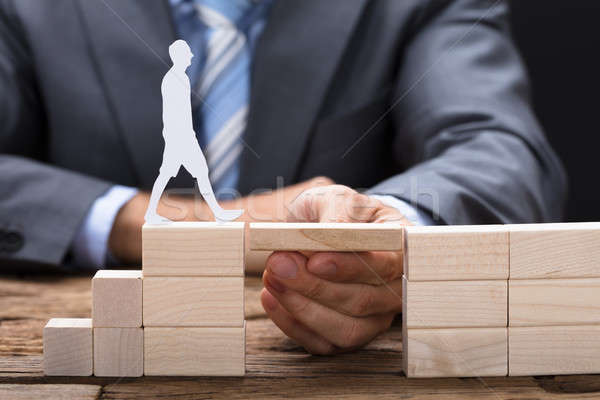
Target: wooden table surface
(276,367)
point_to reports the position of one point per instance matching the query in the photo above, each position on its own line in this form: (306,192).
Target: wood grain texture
(404,325)
(332,385)
(193,249)
(456,304)
(49,391)
(566,250)
(554,350)
(118,352)
(554,302)
(325,236)
(117,299)
(457,352)
(68,347)
(276,366)
(447,253)
(193,301)
(214,351)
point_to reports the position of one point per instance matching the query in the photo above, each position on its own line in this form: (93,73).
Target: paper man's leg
(196,165)
(157,190)
(209,196)
(206,191)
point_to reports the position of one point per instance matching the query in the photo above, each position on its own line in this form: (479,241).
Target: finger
(374,267)
(288,271)
(306,338)
(334,203)
(348,206)
(341,330)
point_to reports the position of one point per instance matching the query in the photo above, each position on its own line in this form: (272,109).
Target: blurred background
(559,41)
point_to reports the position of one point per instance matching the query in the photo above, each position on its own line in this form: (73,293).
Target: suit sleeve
(475,151)
(41,206)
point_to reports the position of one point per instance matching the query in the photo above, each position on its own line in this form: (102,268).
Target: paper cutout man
(181,145)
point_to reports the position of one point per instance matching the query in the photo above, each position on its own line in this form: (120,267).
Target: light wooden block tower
(193,307)
(183,314)
(554,299)
(455,300)
(111,343)
(502,300)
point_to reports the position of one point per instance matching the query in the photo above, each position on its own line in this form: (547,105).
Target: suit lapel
(129,43)
(294,61)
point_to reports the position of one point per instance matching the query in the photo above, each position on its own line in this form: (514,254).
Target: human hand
(332,302)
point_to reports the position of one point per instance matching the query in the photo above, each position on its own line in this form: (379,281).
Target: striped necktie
(220,31)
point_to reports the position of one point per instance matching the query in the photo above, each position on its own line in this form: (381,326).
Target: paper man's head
(180,53)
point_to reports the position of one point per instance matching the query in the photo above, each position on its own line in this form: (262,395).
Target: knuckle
(302,208)
(315,290)
(363,303)
(352,336)
(343,189)
(321,181)
(361,207)
(362,199)
(392,268)
(300,307)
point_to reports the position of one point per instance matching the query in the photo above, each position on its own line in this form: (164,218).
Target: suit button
(10,241)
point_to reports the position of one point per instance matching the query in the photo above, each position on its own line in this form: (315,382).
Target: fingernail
(325,269)
(269,301)
(285,268)
(275,285)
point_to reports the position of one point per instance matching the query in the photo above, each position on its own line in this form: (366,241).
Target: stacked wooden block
(68,347)
(554,299)
(111,343)
(336,236)
(455,299)
(193,306)
(185,316)
(490,300)
(502,300)
(117,321)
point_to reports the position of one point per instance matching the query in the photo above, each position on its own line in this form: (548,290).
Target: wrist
(125,240)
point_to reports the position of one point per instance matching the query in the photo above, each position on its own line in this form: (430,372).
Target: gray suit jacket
(424,100)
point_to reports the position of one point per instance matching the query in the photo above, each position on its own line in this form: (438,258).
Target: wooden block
(326,236)
(117,299)
(404,327)
(193,249)
(43,391)
(68,348)
(118,351)
(554,350)
(554,302)
(214,351)
(458,352)
(459,252)
(194,301)
(456,304)
(567,250)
